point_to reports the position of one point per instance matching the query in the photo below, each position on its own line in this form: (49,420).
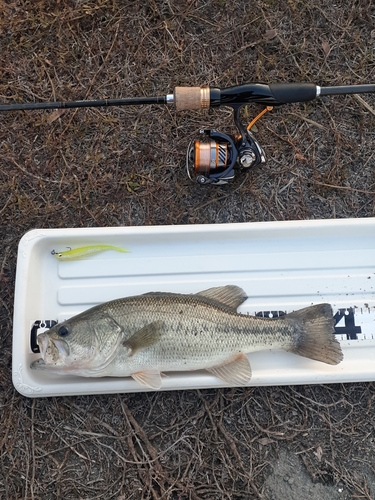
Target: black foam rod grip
(261,93)
(293,92)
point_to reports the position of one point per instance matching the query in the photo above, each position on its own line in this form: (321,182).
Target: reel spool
(211,159)
(208,156)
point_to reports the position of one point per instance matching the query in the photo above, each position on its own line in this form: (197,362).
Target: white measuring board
(282,266)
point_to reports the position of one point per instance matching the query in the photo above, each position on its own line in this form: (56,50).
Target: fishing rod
(215,157)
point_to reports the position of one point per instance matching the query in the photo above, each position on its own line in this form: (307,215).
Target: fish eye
(63,331)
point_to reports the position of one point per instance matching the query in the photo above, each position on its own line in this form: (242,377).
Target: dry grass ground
(125,166)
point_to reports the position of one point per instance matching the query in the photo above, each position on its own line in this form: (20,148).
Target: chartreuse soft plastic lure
(88,251)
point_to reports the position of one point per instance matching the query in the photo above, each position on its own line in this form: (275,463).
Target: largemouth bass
(145,335)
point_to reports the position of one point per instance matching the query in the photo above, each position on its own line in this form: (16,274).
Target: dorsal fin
(231,296)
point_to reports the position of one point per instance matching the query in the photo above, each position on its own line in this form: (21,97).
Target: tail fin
(315,339)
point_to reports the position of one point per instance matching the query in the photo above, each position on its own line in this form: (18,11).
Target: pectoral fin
(148,378)
(145,337)
(235,371)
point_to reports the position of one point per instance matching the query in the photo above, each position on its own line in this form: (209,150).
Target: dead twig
(364,103)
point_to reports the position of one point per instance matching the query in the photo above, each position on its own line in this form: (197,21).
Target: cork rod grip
(191,98)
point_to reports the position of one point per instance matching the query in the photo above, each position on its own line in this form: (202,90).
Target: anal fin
(235,371)
(148,378)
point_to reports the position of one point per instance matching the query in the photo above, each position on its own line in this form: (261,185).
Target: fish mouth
(43,341)
(39,364)
(51,350)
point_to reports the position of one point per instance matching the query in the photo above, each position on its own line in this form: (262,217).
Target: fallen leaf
(326,48)
(270,34)
(319,453)
(300,157)
(55,115)
(264,441)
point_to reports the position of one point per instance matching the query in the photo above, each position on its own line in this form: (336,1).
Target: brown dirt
(125,166)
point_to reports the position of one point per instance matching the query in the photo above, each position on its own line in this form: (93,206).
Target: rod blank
(347,89)
(132,101)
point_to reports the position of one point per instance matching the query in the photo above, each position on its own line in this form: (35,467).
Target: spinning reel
(215,157)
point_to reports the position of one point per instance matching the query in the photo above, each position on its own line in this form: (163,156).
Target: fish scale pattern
(196,331)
